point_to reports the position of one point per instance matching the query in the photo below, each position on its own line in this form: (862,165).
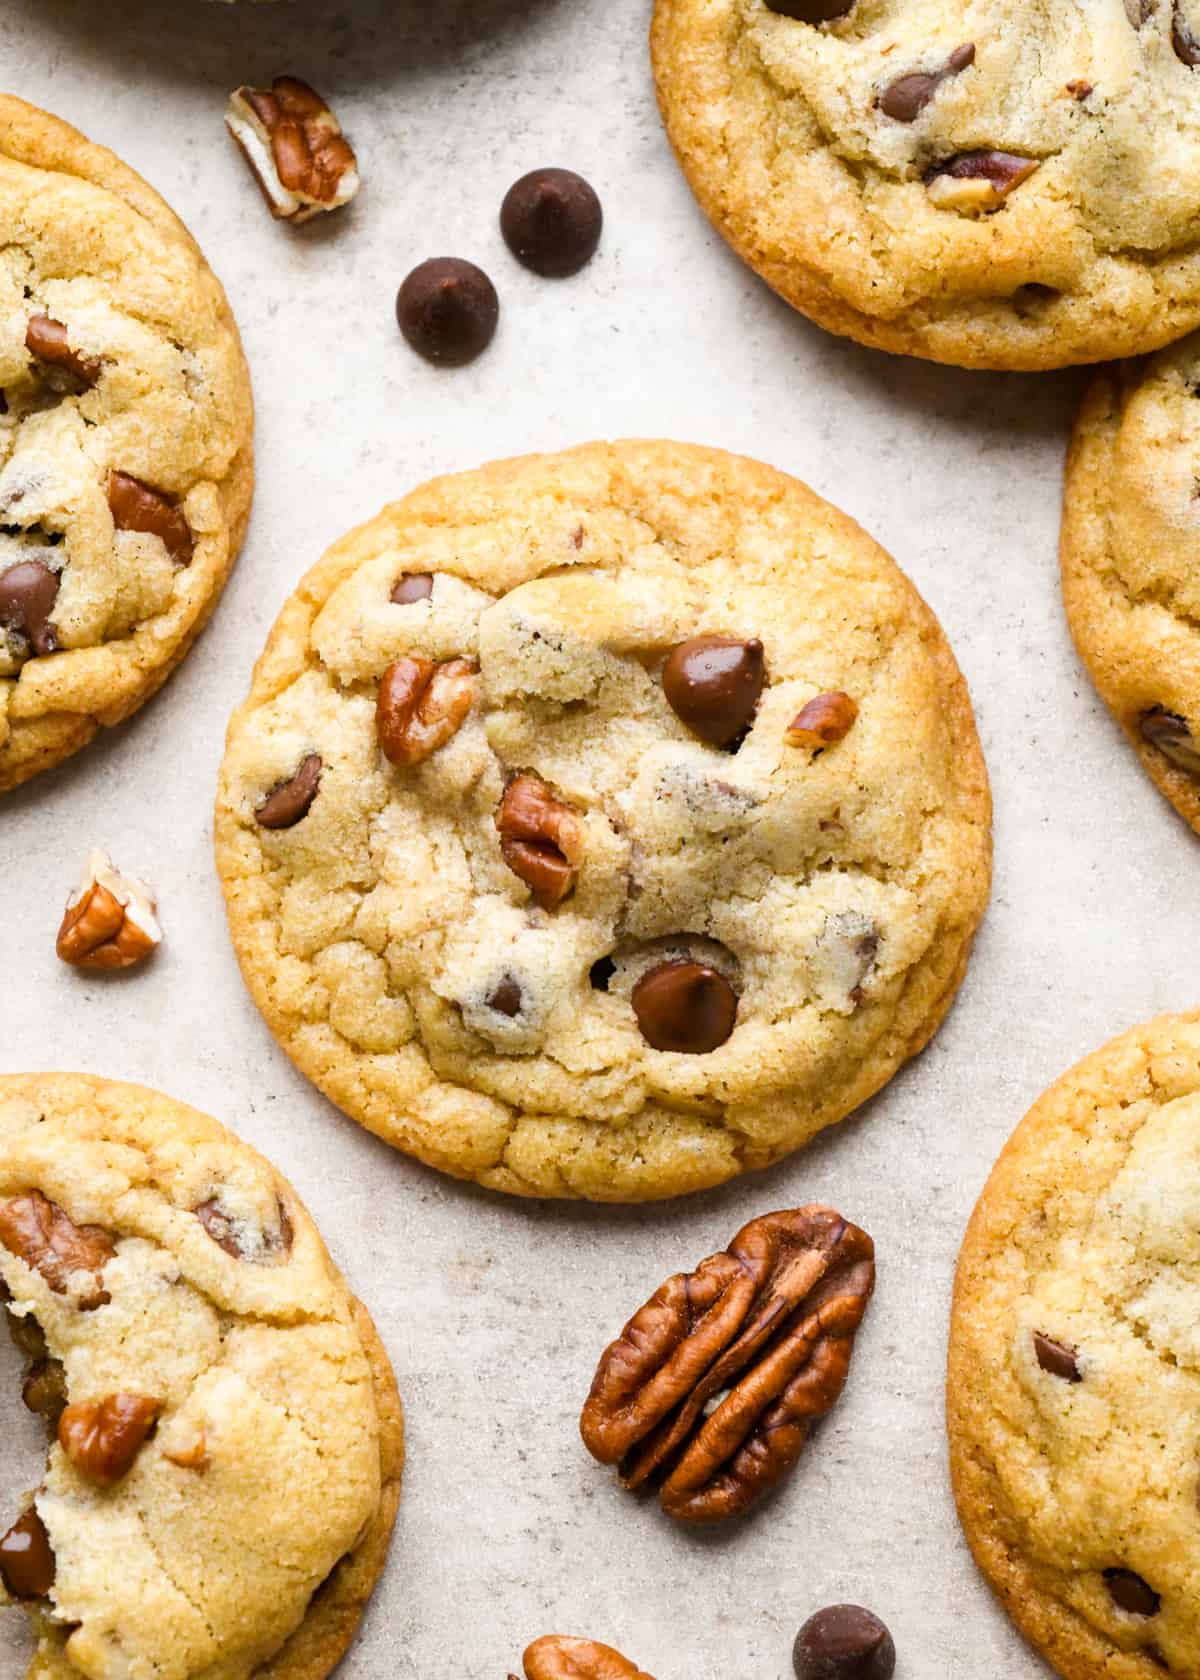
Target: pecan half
(103,1437)
(109,921)
(37,1231)
(976,182)
(295,148)
(136,506)
(541,839)
(557,1657)
(421,706)
(65,370)
(715,1384)
(826,720)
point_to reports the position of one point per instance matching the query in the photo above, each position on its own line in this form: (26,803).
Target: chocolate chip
(448,310)
(1131,1593)
(507,997)
(844,1642)
(137,506)
(289,801)
(1183,39)
(1170,733)
(907,96)
(238,1239)
(26,1560)
(811,11)
(1056,1358)
(713,685)
(28,592)
(412,586)
(66,371)
(551,221)
(685,1006)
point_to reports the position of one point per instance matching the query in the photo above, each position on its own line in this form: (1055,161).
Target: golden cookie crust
(223,1588)
(1130,551)
(372,934)
(88,243)
(1086,1233)
(778,128)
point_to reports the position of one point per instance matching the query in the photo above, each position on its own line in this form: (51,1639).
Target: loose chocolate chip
(1056,1358)
(1131,1593)
(26,1560)
(844,1642)
(28,592)
(811,11)
(551,221)
(289,801)
(685,1006)
(137,506)
(412,586)
(907,96)
(506,999)
(448,310)
(1167,731)
(601,972)
(1183,39)
(713,685)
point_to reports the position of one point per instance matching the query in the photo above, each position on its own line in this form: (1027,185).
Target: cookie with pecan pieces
(125,441)
(226,1436)
(539,858)
(994,184)
(1074,1380)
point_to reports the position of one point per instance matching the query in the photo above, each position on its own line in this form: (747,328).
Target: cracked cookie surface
(992,183)
(576,949)
(1074,1381)
(1131,559)
(125,441)
(162,1266)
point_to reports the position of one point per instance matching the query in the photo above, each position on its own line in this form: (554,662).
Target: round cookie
(992,183)
(1131,559)
(1074,1381)
(125,441)
(672,960)
(222,1486)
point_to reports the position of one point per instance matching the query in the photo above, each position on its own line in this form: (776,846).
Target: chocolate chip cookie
(1131,559)
(993,183)
(530,861)
(226,1437)
(125,441)
(1074,1386)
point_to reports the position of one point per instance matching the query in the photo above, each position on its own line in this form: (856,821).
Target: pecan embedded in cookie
(70,1257)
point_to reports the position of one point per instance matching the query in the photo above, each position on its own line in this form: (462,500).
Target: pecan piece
(103,1437)
(823,722)
(557,1657)
(136,506)
(295,148)
(714,1386)
(65,370)
(422,705)
(44,1390)
(975,182)
(242,1241)
(541,839)
(37,1231)
(109,921)
(1172,735)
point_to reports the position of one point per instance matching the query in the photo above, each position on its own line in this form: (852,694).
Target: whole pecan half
(557,1657)
(714,1386)
(541,840)
(421,705)
(48,1240)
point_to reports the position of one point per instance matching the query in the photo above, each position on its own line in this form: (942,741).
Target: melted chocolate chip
(906,97)
(1056,1358)
(28,592)
(412,586)
(811,11)
(137,506)
(507,997)
(1129,1592)
(685,1006)
(1171,734)
(26,1560)
(551,221)
(713,685)
(289,801)
(65,370)
(447,310)
(844,1642)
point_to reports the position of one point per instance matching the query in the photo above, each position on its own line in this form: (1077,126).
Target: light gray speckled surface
(494,1312)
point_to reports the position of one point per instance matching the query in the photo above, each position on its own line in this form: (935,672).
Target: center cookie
(993,183)
(604,824)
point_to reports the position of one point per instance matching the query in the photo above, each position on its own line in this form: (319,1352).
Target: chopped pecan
(823,722)
(242,1241)
(103,1437)
(422,705)
(37,1231)
(65,370)
(557,1657)
(109,921)
(976,182)
(44,1390)
(715,1384)
(541,839)
(136,506)
(295,148)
